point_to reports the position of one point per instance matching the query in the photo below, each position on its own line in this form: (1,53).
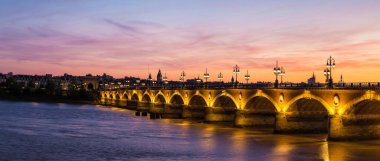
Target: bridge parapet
(262,85)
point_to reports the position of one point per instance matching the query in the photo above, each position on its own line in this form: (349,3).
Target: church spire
(341,79)
(159,76)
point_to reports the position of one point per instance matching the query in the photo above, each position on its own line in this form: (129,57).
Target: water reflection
(85,132)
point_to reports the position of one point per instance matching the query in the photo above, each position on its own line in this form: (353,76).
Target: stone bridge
(342,113)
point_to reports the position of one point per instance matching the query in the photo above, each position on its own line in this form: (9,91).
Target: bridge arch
(261,104)
(160,98)
(304,96)
(226,101)
(135,97)
(117,96)
(146,98)
(352,103)
(177,99)
(197,101)
(125,96)
(364,107)
(111,96)
(307,105)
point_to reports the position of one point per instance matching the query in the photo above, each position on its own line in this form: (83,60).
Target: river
(68,132)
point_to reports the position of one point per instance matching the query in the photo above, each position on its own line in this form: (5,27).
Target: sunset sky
(123,38)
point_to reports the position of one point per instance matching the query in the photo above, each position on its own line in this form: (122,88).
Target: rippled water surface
(40,131)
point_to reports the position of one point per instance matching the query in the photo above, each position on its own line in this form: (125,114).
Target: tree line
(52,90)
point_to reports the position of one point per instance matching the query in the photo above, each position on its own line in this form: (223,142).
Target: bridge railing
(266,85)
(359,85)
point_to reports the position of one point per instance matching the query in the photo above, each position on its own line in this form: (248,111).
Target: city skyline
(123,38)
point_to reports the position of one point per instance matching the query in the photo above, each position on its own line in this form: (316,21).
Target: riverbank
(49,100)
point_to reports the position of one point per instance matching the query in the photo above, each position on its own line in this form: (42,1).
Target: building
(312,79)
(159,76)
(341,81)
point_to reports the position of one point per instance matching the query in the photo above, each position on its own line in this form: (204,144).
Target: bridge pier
(166,110)
(113,102)
(143,106)
(108,102)
(219,114)
(172,111)
(254,119)
(121,103)
(348,127)
(194,112)
(132,105)
(292,124)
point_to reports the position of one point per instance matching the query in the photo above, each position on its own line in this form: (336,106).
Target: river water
(51,131)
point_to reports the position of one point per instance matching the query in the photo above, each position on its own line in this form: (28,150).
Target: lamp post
(165,79)
(282,73)
(276,71)
(236,71)
(198,80)
(206,76)
(327,73)
(330,65)
(137,83)
(182,77)
(220,77)
(247,77)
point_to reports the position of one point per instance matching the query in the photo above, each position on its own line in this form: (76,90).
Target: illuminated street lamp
(220,77)
(330,65)
(236,71)
(276,71)
(182,77)
(282,73)
(206,76)
(247,77)
(165,79)
(198,79)
(119,84)
(137,83)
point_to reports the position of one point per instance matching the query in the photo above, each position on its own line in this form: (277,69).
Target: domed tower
(159,76)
